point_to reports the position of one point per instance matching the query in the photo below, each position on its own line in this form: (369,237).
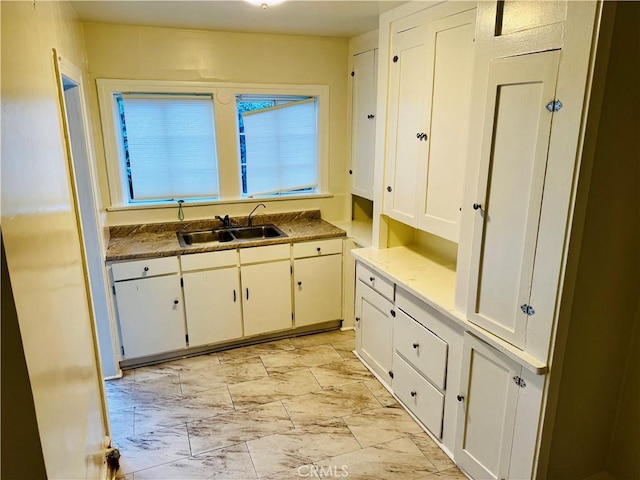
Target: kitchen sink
(223,235)
(253,233)
(188,239)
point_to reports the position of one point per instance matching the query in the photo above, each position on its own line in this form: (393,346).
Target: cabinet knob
(416,345)
(477,206)
(421,136)
(357,319)
(393,313)
(299,284)
(395,58)
(390,373)
(372,279)
(353,73)
(413,393)
(370,116)
(389,188)
(350,172)
(146,269)
(319,249)
(460,397)
(175,302)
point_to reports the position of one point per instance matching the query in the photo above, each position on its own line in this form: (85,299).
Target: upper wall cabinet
(363,127)
(520,108)
(429,90)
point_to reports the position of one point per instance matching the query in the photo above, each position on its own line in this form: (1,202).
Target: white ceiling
(335,18)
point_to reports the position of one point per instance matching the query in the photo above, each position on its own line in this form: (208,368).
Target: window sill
(205,203)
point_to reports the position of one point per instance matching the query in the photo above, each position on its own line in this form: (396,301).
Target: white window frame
(222,93)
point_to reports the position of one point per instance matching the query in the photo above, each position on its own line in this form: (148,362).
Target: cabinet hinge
(291,269)
(122,350)
(519,381)
(291,315)
(554,105)
(186,338)
(182,282)
(528,309)
(113,287)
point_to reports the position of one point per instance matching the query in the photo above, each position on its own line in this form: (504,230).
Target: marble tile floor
(297,408)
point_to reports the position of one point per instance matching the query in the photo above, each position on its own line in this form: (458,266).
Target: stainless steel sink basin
(253,233)
(188,239)
(223,235)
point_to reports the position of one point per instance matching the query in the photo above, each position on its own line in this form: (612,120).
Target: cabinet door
(266,297)
(449,55)
(486,413)
(363,124)
(374,330)
(405,123)
(317,289)
(212,303)
(151,315)
(510,187)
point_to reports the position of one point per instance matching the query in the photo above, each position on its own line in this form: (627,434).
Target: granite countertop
(129,242)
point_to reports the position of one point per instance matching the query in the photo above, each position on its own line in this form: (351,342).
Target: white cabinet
(499,404)
(317,282)
(449,48)
(149,309)
(374,329)
(266,289)
(515,144)
(429,92)
(363,124)
(405,123)
(212,297)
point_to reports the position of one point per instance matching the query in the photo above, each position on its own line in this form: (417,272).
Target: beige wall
(150,53)
(598,383)
(42,240)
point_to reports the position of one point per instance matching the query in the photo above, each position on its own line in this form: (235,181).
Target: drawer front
(425,351)
(425,314)
(376,281)
(265,254)
(201,261)
(150,267)
(317,248)
(418,395)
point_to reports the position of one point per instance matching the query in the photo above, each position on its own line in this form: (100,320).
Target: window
(278,138)
(208,142)
(168,146)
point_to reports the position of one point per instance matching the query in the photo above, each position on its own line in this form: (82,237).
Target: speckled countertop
(129,242)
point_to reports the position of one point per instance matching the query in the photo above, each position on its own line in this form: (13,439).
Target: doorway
(91,226)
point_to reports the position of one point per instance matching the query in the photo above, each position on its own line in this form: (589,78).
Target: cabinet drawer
(144,268)
(317,248)
(379,283)
(200,261)
(419,396)
(421,348)
(265,254)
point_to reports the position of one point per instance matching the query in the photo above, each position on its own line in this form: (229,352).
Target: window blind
(282,148)
(171,145)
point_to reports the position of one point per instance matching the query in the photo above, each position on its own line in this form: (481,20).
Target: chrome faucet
(249,220)
(226,221)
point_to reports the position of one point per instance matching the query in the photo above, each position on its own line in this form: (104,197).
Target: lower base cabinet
(499,405)
(374,330)
(317,286)
(151,316)
(212,305)
(266,297)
